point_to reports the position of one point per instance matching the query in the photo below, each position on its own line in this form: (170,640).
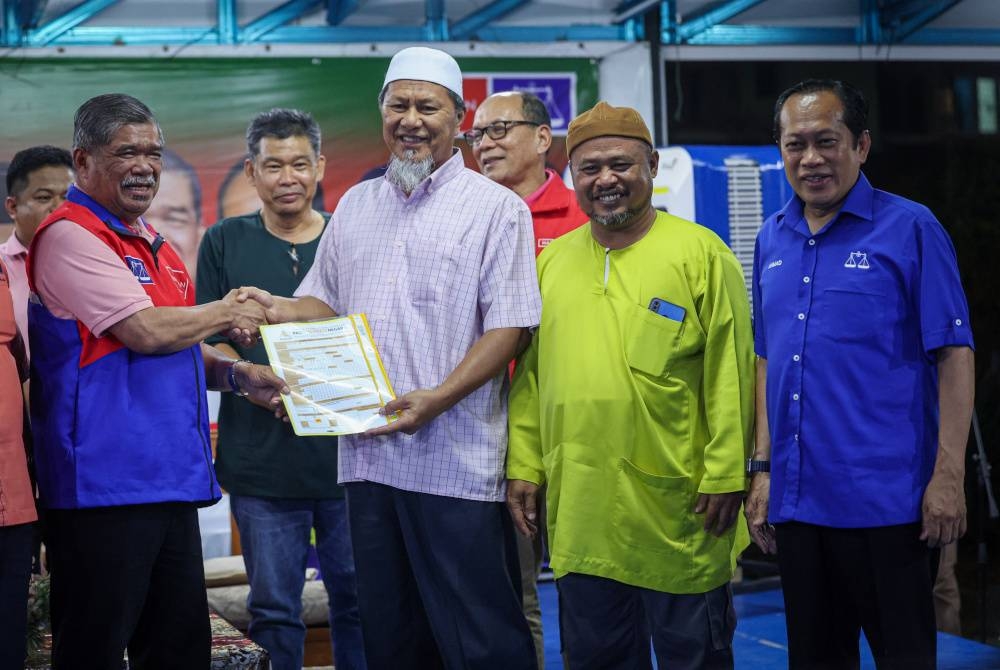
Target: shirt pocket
(651,341)
(855,313)
(431,266)
(652,512)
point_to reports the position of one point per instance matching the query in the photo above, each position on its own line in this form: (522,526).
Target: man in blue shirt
(864,394)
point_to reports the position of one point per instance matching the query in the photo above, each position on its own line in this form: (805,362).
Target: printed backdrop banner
(204,105)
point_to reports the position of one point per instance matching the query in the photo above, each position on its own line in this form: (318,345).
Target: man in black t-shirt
(281,485)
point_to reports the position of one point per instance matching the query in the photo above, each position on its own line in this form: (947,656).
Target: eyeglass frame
(471,138)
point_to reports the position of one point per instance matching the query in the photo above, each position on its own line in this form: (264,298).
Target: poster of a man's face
(176,209)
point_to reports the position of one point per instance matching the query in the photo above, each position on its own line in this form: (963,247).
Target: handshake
(248,308)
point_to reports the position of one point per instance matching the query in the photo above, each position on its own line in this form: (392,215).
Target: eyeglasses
(496,130)
(294,255)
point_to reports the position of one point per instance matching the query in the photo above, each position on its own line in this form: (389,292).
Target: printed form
(334,371)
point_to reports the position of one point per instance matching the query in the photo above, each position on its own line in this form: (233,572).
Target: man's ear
(10,204)
(248,169)
(80,157)
(543,135)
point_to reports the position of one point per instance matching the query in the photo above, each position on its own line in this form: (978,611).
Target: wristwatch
(757,466)
(233,384)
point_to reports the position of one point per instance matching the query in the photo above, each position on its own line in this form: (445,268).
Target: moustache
(138,181)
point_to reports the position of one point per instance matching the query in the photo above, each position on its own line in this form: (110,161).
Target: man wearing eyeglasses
(510,138)
(281,485)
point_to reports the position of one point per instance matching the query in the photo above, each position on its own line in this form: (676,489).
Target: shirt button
(796,437)
(958,322)
(795,396)
(801,316)
(805,280)
(796,358)
(812,243)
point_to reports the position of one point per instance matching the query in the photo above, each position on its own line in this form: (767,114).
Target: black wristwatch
(233,384)
(757,466)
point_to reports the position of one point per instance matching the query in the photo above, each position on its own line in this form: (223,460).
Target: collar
(13,247)
(859,204)
(550,176)
(552,196)
(78,196)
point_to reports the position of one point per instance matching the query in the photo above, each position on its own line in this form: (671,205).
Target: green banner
(204,105)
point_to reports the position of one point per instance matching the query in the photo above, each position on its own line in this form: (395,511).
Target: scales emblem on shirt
(858,260)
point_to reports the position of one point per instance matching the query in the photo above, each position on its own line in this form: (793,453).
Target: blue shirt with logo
(849,320)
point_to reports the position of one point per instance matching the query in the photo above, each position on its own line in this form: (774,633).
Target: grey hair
(98,119)
(282,123)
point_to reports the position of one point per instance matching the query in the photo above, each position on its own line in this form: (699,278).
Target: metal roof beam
(870,29)
(436,26)
(956,37)
(903,19)
(11,24)
(66,21)
(636,9)
(575,33)
(338,10)
(228,29)
(103,36)
(688,29)
(277,17)
(467,27)
(749,35)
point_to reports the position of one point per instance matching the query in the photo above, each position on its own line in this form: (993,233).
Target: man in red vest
(119,412)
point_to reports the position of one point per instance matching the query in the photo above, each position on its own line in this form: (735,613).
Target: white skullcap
(425,64)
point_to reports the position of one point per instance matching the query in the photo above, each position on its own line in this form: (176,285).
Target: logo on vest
(138,268)
(858,260)
(180,279)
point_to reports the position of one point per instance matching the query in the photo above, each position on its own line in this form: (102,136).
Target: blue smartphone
(667,309)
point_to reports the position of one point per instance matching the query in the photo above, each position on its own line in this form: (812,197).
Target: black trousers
(128,577)
(16,543)
(608,625)
(838,582)
(438,582)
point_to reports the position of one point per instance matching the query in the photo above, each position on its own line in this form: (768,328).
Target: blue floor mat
(760,641)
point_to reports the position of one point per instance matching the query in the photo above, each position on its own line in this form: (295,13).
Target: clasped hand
(250,308)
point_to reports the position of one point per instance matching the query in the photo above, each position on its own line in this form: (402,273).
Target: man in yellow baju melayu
(635,403)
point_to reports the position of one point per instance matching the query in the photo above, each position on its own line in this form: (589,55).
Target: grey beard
(407,173)
(616,220)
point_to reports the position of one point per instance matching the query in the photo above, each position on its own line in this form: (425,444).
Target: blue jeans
(274,533)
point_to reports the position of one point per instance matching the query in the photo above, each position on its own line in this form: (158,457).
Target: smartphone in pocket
(667,309)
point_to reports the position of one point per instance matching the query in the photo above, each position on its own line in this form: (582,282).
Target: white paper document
(334,371)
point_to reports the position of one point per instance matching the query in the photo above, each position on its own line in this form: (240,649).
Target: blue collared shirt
(849,320)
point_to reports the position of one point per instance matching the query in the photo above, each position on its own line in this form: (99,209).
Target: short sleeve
(944,311)
(508,294)
(210,282)
(321,281)
(78,276)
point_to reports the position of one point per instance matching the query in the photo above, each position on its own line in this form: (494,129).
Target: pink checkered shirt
(433,272)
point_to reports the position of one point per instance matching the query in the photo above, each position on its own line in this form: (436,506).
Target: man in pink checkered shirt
(441,260)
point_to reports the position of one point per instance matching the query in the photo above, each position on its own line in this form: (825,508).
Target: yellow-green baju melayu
(629,415)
